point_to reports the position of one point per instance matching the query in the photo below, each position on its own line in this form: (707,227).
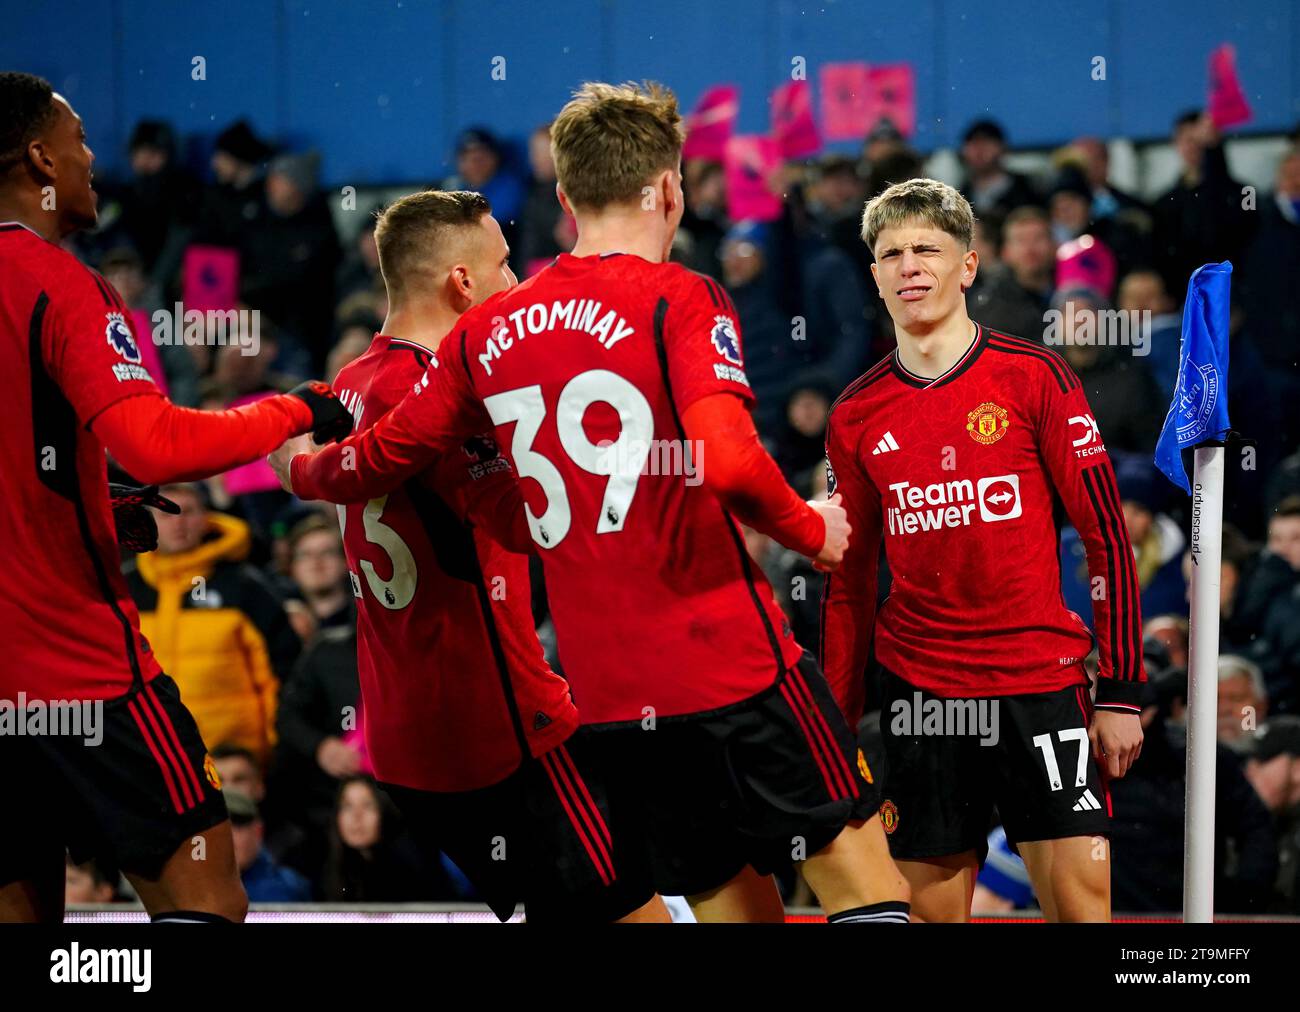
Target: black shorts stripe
(817,719)
(580,817)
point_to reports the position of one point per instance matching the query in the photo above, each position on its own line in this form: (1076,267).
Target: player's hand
(330,420)
(281,458)
(337,758)
(837,532)
(1116,740)
(137,530)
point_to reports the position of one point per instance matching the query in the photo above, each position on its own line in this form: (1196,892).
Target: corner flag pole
(1203,684)
(1198,419)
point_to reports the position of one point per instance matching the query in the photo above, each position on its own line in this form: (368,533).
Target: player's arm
(699,335)
(849,594)
(92,355)
(432,419)
(1072,449)
(495,504)
(736,468)
(157,441)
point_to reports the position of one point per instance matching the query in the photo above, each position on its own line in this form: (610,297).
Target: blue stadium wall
(381,87)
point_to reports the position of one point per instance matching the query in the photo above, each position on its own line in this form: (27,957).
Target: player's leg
(652,912)
(937,802)
(39,896)
(855,870)
(1071,877)
(942,887)
(32,841)
(1053,802)
(748,897)
(200,877)
(150,798)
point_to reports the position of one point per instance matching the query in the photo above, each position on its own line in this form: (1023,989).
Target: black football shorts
(949,763)
(765,782)
(132,786)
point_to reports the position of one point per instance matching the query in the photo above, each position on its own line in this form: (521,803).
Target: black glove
(330,420)
(137,531)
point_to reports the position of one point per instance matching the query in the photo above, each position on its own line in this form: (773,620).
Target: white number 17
(1075,734)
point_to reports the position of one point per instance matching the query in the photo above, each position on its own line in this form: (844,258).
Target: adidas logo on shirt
(887,443)
(1087,803)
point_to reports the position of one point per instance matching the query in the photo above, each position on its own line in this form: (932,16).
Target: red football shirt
(958,476)
(585,370)
(455,690)
(71,628)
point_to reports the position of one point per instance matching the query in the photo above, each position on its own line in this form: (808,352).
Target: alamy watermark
(211,327)
(71,718)
(919,716)
(1115,328)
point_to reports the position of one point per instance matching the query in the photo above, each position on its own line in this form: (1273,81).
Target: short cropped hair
(412,228)
(926,200)
(611,139)
(29,104)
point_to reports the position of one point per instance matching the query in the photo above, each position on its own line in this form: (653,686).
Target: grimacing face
(922,273)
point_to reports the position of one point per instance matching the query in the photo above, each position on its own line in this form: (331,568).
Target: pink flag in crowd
(210,278)
(792,120)
(846,100)
(710,125)
(1227,103)
(891,95)
(749,163)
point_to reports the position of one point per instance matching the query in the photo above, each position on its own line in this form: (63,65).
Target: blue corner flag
(1199,411)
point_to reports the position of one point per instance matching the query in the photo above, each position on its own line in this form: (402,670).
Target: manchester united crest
(864,769)
(210,771)
(987,423)
(889,816)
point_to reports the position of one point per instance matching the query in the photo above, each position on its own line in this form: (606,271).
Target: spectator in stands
(320,571)
(704,219)
(1201,219)
(370,859)
(289,261)
(359,271)
(480,166)
(158,203)
(1171,632)
(1146,837)
(1014,296)
(238,769)
(353,341)
(264,879)
(1157,540)
(1124,400)
(771,353)
(235,203)
(537,245)
(1238,556)
(834,196)
(1142,291)
(1117,218)
(1069,205)
(1266,286)
(1243,700)
(320,741)
(91,883)
(991,188)
(800,442)
(213,622)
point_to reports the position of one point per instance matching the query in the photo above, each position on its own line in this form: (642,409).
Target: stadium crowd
(247,601)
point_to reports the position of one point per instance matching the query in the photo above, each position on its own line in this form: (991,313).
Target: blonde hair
(610,139)
(409,230)
(927,200)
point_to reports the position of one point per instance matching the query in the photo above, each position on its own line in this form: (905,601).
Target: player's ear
(970,266)
(460,288)
(563,199)
(41,158)
(875,275)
